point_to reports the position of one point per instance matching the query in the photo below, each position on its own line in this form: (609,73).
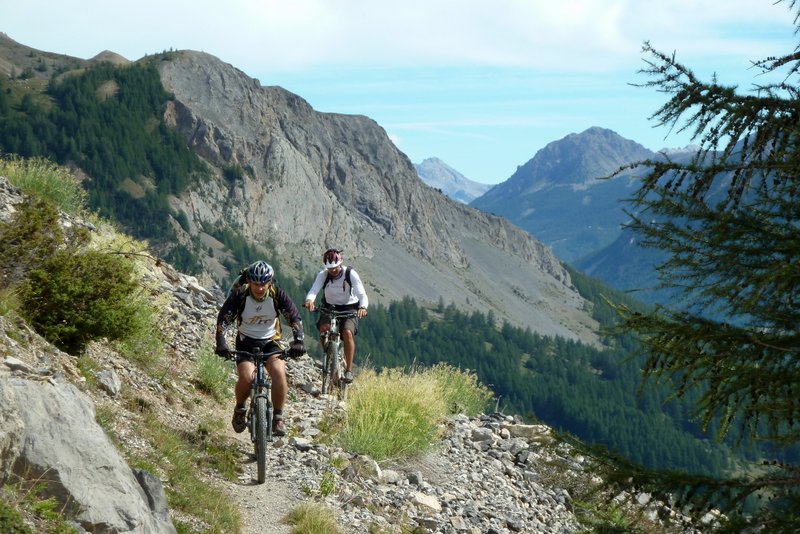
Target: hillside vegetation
(589,392)
(122,143)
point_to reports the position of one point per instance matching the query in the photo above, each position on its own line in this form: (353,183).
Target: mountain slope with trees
(560,196)
(395,234)
(323,179)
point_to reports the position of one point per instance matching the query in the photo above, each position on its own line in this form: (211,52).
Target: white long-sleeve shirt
(338,292)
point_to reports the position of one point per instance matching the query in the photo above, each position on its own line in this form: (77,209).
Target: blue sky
(481,84)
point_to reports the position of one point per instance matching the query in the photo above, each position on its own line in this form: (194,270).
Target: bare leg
(277,371)
(246,372)
(349,348)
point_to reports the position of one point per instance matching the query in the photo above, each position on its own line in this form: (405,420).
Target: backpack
(345,281)
(240,280)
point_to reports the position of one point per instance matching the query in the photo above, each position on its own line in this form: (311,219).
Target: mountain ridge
(309,180)
(439,175)
(344,171)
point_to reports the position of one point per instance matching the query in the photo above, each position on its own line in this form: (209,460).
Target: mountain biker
(342,290)
(255,307)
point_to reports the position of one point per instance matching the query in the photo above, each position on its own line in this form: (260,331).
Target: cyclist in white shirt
(342,290)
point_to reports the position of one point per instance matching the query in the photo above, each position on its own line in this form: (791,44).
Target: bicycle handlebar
(232,354)
(336,313)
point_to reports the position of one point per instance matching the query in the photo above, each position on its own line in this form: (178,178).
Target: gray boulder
(62,446)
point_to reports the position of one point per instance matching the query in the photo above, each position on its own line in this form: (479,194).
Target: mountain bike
(333,362)
(260,410)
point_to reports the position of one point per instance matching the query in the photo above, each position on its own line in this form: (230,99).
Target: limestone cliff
(312,180)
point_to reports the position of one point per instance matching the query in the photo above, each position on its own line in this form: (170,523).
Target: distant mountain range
(564,198)
(439,175)
(561,195)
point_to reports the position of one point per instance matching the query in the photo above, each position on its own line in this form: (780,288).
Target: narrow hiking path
(263,507)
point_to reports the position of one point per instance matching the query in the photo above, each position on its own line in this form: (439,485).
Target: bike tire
(341,367)
(328,376)
(262,428)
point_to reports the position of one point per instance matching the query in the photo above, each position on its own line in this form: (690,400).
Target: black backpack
(345,281)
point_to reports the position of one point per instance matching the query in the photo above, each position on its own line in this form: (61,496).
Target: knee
(277,371)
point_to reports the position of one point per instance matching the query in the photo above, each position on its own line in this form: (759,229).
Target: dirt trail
(263,506)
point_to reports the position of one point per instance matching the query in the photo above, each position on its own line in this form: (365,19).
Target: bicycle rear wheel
(261,437)
(328,376)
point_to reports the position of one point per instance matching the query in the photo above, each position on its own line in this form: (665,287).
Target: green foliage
(142,342)
(327,485)
(233,173)
(242,252)
(461,390)
(75,297)
(9,301)
(46,513)
(185,458)
(312,518)
(32,235)
(609,519)
(728,223)
(11,520)
(393,414)
(108,121)
(589,392)
(41,178)
(214,375)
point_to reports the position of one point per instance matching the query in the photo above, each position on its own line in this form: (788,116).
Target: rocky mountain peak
(314,179)
(439,175)
(576,159)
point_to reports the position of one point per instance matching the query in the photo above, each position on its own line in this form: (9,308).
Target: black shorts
(248,344)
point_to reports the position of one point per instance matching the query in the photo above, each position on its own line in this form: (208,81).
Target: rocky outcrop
(64,450)
(311,180)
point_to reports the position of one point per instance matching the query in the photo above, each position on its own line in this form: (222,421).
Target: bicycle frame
(260,411)
(333,365)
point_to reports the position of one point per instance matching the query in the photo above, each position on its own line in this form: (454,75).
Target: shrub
(312,518)
(75,297)
(9,301)
(397,414)
(32,235)
(461,390)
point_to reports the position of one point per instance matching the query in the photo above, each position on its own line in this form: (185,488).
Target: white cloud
(283,35)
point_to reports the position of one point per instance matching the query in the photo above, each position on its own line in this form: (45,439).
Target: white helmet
(332,258)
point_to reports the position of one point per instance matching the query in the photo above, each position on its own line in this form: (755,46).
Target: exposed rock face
(64,448)
(314,180)
(559,195)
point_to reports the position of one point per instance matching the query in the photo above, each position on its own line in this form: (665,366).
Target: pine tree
(729,223)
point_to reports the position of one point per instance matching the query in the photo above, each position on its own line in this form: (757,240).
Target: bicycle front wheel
(262,423)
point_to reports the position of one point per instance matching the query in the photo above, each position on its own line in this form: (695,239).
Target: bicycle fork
(259,392)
